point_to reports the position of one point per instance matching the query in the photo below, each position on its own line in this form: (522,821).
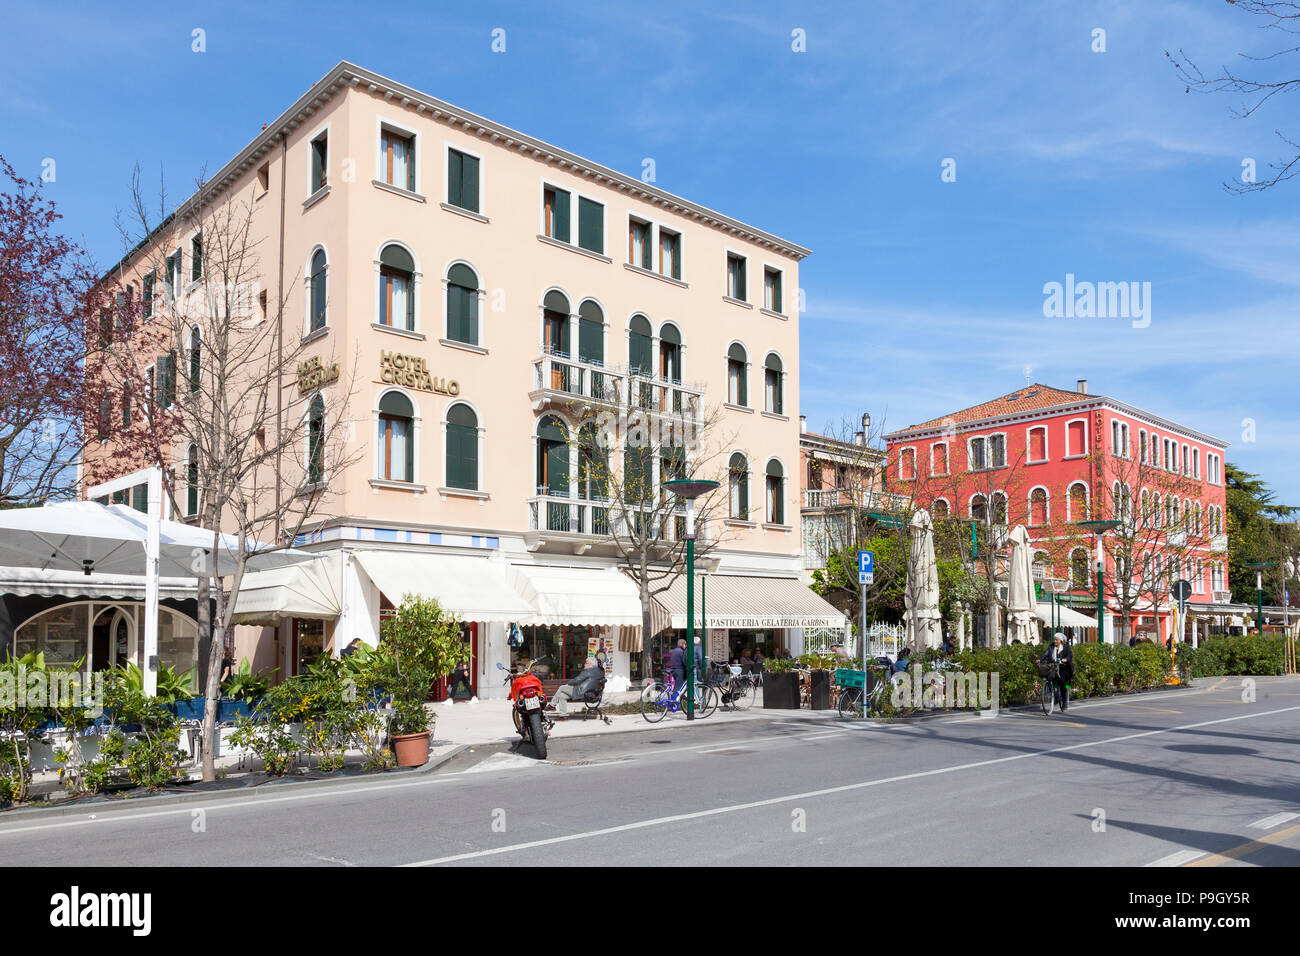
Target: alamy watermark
(1098,300)
(65,690)
(946,690)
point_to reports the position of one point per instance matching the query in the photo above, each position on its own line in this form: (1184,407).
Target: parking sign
(866,568)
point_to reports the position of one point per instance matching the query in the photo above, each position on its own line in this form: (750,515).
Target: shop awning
(1065,616)
(34,582)
(735,601)
(312,589)
(474,589)
(603,597)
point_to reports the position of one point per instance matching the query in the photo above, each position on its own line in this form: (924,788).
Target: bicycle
(1052,693)
(852,701)
(662,697)
(734,689)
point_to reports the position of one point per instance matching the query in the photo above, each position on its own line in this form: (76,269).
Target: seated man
(590,680)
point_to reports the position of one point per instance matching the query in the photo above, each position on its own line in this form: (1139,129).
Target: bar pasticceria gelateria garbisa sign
(411,371)
(313,374)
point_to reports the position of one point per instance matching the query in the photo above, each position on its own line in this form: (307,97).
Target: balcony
(661,396)
(1219,543)
(1221,597)
(568,515)
(815,499)
(560,380)
(579,524)
(1176,539)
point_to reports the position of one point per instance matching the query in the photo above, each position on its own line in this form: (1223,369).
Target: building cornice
(348,75)
(1085,404)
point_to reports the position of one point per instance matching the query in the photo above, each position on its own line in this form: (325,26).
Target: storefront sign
(313,374)
(411,371)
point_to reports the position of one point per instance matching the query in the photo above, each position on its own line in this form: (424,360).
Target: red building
(1048,458)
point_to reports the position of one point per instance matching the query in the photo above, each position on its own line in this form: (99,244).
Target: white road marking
(846,788)
(1276,819)
(1179,858)
(837,733)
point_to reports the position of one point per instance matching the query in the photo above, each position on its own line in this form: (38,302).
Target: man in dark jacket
(590,680)
(1064,657)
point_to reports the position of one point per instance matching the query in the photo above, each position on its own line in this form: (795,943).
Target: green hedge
(1110,668)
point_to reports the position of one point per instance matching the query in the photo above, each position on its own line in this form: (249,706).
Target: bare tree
(209,385)
(1256,89)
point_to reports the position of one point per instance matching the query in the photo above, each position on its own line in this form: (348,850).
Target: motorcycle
(531,721)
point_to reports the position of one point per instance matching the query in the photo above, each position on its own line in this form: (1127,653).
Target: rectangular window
(555,203)
(772,290)
(319,163)
(462,180)
(196,257)
(148,295)
(670,253)
(397,159)
(396,304)
(394,440)
(998,451)
(174,272)
(977,459)
(150,393)
(736,277)
(736,383)
(639,251)
(264,179)
(591,225)
(126,405)
(1076,438)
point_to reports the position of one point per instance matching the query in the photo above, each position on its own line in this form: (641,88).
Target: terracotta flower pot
(411,750)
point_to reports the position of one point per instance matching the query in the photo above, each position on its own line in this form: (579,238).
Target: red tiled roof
(1022,400)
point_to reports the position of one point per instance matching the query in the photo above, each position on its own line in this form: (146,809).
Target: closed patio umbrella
(922,595)
(1022,623)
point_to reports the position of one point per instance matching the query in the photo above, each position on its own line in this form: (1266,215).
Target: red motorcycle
(529,708)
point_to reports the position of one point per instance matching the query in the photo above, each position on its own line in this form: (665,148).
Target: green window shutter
(140,498)
(677,257)
(469,183)
(591,226)
(462,457)
(776,292)
(591,341)
(561,215)
(453,177)
(742,292)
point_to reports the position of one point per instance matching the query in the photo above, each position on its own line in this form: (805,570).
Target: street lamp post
(688,490)
(1099,528)
(1259,567)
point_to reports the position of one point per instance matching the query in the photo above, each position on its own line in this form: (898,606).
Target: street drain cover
(661,741)
(572,763)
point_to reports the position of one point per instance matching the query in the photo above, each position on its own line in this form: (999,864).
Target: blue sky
(923,296)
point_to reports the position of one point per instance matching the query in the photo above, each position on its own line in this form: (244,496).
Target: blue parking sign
(866,567)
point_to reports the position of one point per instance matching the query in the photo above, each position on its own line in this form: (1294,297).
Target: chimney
(1082,386)
(859,438)
(803,424)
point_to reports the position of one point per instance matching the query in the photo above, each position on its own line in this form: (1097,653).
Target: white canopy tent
(92,538)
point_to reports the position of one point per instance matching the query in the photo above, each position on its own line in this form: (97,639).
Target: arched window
(555,324)
(773,396)
(316,441)
(1080,576)
(1078,502)
(939,459)
(192,481)
(593,465)
(462,447)
(396,288)
(552,457)
(591,333)
(319,290)
(462,304)
(738,488)
(1038,507)
(1145,499)
(999,508)
(639,346)
(737,390)
(979,508)
(940,508)
(775,493)
(196,359)
(396,438)
(670,354)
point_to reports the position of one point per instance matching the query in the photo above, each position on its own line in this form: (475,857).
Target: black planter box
(781,691)
(820,698)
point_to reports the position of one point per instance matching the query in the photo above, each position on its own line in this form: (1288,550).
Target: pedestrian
(1064,657)
(354,645)
(677,663)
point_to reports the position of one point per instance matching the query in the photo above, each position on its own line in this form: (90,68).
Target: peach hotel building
(495,291)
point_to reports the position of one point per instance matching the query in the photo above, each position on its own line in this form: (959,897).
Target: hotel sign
(313,374)
(411,371)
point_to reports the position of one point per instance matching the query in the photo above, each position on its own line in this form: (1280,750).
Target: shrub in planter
(244,685)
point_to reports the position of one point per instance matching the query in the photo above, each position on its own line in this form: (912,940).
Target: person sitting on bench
(591,680)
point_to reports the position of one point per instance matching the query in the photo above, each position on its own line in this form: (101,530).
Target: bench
(591,703)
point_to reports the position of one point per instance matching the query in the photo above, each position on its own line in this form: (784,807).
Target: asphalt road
(1194,777)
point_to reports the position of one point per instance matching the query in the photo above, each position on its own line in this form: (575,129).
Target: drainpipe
(279,340)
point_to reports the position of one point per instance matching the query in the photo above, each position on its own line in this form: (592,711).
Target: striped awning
(741,601)
(1066,617)
(35,582)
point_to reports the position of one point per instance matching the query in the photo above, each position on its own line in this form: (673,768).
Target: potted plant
(241,691)
(780,684)
(418,645)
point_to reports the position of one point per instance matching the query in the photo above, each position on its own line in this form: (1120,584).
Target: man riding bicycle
(1060,654)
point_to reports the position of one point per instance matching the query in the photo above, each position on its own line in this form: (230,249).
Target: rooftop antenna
(1028,372)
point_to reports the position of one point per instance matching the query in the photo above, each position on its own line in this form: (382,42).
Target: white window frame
(481,290)
(378,286)
(1068,453)
(780,271)
(727,253)
(1029,444)
(306,323)
(415,434)
(947,459)
(901,454)
(1069,500)
(481,490)
(329,157)
(447,146)
(1047,506)
(381,124)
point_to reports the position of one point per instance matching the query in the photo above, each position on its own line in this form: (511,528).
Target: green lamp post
(688,489)
(1099,528)
(1259,567)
